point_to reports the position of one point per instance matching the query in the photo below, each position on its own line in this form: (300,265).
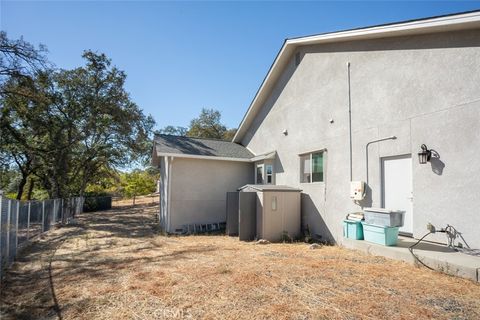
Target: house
(355,105)
(195,175)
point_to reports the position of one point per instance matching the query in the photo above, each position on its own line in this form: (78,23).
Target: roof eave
(195,156)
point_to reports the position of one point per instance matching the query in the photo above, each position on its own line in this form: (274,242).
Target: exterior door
(397,188)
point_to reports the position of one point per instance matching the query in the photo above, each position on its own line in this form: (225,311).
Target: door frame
(257,165)
(382,184)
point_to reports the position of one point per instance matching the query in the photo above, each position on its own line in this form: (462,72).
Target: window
(269,173)
(311,167)
(259,174)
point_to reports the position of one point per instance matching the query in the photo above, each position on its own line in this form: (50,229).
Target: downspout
(350,119)
(169,193)
(375,141)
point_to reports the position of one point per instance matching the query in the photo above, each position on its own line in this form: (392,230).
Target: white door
(397,188)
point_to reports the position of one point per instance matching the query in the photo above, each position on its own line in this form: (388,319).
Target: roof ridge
(384,24)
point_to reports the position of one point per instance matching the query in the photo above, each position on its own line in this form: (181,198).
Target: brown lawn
(115,265)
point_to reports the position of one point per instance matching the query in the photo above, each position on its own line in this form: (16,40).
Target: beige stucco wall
(199,187)
(422,89)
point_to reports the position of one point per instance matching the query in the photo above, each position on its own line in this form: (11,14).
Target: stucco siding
(199,188)
(422,89)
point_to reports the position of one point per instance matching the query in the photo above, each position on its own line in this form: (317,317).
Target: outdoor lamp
(424,155)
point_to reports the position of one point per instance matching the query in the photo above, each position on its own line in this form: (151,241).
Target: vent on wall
(298,58)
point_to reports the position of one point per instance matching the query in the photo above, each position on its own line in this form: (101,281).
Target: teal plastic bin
(352,229)
(387,236)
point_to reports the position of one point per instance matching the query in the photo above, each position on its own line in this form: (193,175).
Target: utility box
(278,215)
(357,190)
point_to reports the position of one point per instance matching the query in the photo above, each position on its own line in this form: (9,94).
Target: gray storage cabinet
(277,211)
(232,214)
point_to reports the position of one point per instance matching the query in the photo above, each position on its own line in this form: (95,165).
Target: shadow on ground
(98,246)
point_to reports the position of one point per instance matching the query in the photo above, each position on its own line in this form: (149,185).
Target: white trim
(267,174)
(433,25)
(313,151)
(311,167)
(194,156)
(266,156)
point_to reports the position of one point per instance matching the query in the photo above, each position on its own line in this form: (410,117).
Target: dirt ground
(116,265)
(140,200)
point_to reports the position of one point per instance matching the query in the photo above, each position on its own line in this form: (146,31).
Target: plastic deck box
(387,236)
(383,217)
(352,229)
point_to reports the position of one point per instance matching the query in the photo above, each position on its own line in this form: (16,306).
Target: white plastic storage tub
(384,217)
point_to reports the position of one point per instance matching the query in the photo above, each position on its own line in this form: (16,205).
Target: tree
(207,125)
(98,125)
(20,65)
(229,134)
(173,130)
(64,129)
(19,58)
(139,183)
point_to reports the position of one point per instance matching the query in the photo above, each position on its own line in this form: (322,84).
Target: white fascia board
(440,24)
(434,25)
(265,156)
(192,156)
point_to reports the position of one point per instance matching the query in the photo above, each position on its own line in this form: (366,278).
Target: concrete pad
(437,256)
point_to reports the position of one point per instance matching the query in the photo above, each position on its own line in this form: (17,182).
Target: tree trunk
(30,189)
(21,186)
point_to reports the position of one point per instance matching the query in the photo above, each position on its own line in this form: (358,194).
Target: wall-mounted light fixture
(424,155)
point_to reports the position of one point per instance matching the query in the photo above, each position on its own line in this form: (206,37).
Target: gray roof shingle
(200,146)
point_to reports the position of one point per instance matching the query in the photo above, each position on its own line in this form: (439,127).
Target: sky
(181,57)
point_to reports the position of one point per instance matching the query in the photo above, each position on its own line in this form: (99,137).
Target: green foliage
(207,125)
(229,134)
(174,131)
(67,129)
(138,183)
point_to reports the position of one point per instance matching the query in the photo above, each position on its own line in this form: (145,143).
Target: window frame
(262,165)
(301,169)
(267,175)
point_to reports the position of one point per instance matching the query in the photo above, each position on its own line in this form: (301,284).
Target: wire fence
(20,221)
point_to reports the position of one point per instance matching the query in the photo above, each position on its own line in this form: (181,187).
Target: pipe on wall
(366,150)
(350,119)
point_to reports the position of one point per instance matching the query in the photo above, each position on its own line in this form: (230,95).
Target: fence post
(43,216)
(8,231)
(62,210)
(16,227)
(1,230)
(28,220)
(54,211)
(52,216)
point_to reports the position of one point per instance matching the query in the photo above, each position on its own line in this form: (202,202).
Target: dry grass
(114,265)
(140,200)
